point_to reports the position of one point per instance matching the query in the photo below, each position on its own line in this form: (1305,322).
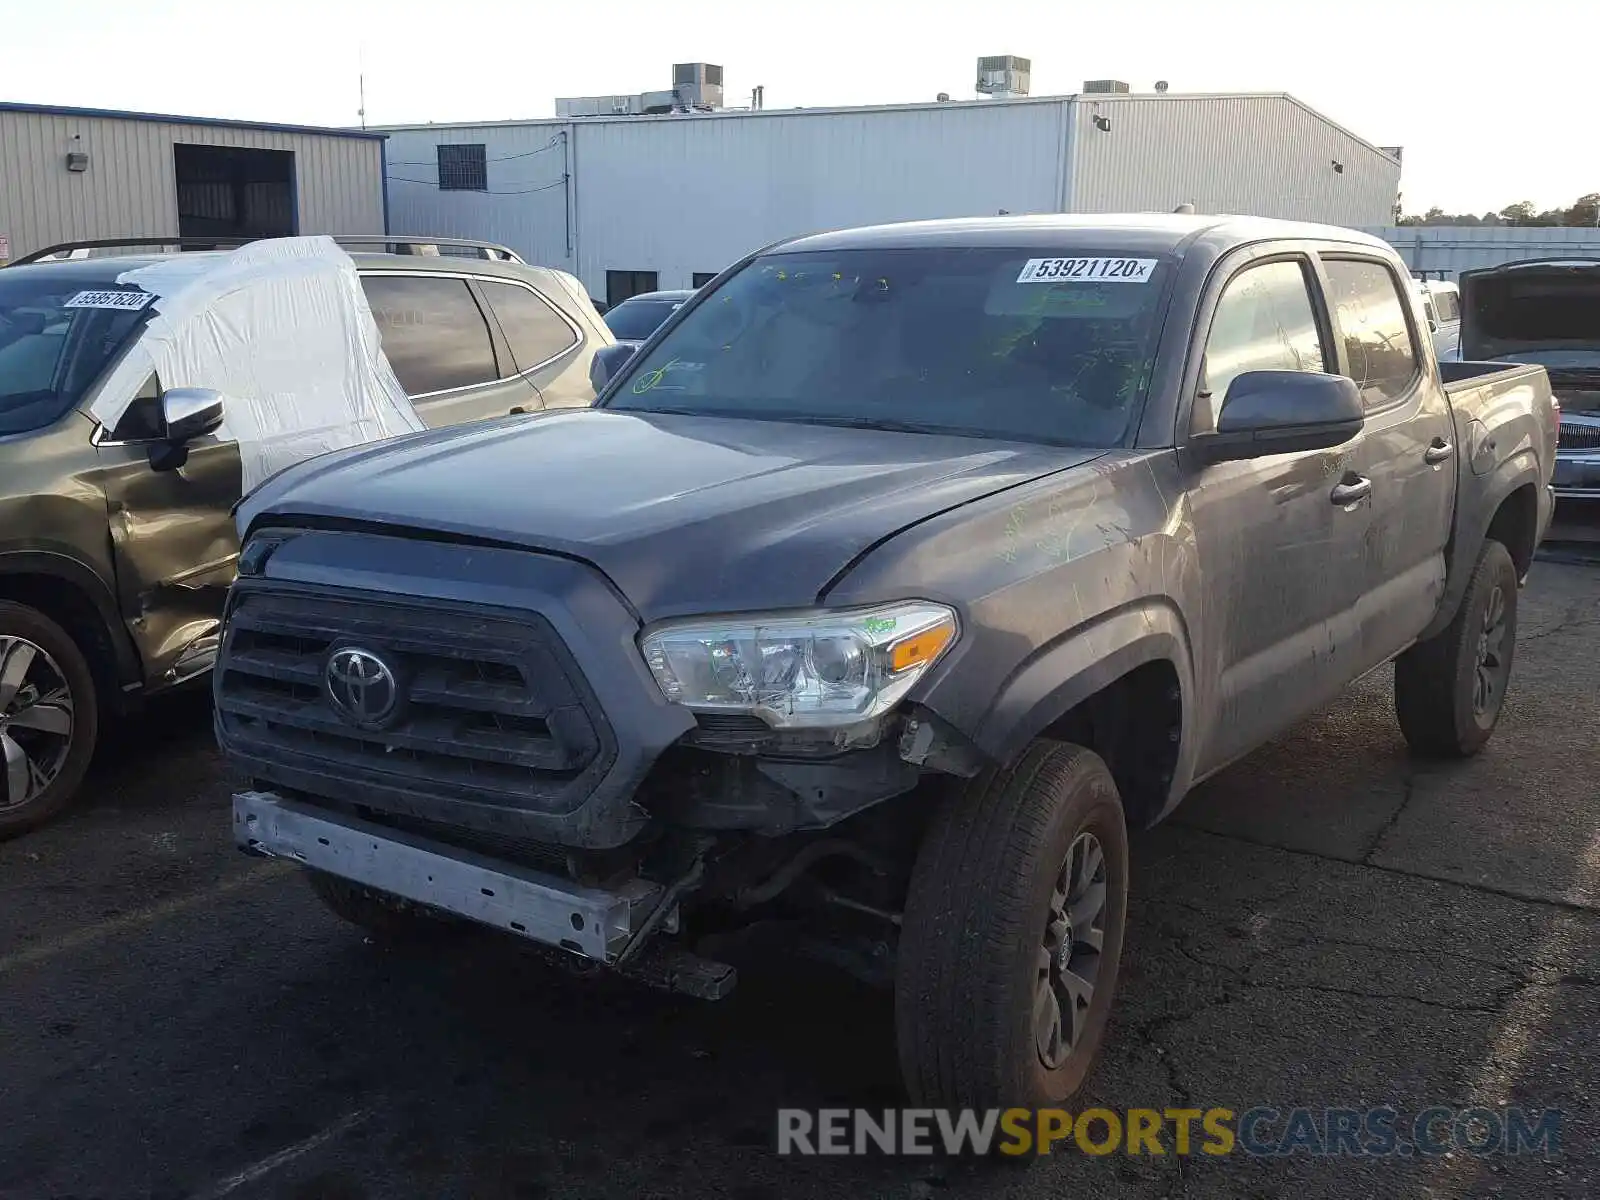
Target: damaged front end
(544,768)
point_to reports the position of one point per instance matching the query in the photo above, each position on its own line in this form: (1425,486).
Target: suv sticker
(1087,270)
(131,300)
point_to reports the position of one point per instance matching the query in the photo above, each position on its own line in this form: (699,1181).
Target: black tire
(55,683)
(969,968)
(388,919)
(1439,684)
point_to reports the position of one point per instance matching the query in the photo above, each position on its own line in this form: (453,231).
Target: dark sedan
(637,317)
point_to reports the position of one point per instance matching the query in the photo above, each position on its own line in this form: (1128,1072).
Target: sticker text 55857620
(1087,270)
(109,299)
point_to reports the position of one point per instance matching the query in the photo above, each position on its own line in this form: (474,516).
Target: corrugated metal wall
(1444,251)
(526,206)
(680,195)
(684,194)
(1259,155)
(129,187)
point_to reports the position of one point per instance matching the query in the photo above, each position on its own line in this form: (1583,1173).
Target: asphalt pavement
(1329,923)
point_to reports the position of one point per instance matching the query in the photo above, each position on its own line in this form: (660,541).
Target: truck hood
(1544,311)
(683,514)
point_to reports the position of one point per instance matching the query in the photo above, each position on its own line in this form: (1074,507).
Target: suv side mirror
(607,361)
(1278,412)
(187,413)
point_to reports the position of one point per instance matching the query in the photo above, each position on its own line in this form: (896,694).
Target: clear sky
(1493,103)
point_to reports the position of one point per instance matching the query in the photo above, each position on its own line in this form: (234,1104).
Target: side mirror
(607,361)
(187,413)
(1433,326)
(1279,412)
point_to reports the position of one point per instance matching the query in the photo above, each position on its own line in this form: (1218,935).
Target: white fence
(1444,251)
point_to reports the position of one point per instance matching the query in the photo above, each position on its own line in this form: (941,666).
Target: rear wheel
(49,718)
(1012,935)
(1448,690)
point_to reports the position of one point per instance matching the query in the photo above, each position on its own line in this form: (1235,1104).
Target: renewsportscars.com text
(1261,1132)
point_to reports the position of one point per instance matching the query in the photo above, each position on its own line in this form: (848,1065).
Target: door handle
(1437,452)
(1351,490)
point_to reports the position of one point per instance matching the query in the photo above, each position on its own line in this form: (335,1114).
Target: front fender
(1066,672)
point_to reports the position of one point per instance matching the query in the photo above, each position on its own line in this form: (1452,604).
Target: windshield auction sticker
(1087,270)
(131,300)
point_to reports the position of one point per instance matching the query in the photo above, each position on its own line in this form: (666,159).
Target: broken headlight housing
(801,671)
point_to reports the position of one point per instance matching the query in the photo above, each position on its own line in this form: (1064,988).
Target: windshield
(990,343)
(635,320)
(57,333)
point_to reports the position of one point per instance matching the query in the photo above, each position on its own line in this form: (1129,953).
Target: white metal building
(634,202)
(72,173)
(1444,251)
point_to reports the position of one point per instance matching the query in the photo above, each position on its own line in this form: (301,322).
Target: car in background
(1547,311)
(637,317)
(1441,308)
(114,562)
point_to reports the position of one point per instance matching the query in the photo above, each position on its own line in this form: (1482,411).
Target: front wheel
(1448,690)
(49,718)
(1012,935)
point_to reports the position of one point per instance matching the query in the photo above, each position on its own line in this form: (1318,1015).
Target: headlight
(821,669)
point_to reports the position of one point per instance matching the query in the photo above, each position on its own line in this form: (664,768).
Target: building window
(463,168)
(701,278)
(622,284)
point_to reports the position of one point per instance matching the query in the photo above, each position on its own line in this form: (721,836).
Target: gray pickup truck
(896,577)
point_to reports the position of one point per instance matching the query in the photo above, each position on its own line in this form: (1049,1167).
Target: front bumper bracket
(593,922)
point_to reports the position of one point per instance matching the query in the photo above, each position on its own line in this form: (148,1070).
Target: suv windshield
(57,333)
(990,343)
(635,320)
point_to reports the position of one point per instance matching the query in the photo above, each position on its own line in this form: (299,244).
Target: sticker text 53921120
(1087,270)
(131,300)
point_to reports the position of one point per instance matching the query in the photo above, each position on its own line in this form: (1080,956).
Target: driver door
(1281,560)
(172,536)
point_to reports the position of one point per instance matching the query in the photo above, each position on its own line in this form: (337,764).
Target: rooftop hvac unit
(1102,86)
(698,85)
(1004,75)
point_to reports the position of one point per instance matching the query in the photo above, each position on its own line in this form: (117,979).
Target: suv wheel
(49,718)
(1012,935)
(1448,690)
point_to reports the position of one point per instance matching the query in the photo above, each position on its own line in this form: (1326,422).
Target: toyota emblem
(361,686)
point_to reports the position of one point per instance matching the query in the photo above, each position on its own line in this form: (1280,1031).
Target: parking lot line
(88,935)
(285,1156)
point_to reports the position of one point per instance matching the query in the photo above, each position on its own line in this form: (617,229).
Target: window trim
(1419,339)
(572,326)
(1255,256)
(493,321)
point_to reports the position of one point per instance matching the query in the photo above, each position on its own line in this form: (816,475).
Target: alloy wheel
(36,720)
(1493,660)
(1068,957)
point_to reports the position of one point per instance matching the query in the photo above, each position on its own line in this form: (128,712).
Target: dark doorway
(622,284)
(226,191)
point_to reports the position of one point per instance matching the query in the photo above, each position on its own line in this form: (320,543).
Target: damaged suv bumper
(605,925)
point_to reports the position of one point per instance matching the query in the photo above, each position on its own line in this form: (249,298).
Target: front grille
(1574,436)
(493,708)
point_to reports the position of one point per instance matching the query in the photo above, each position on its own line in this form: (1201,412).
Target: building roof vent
(1102,86)
(1004,75)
